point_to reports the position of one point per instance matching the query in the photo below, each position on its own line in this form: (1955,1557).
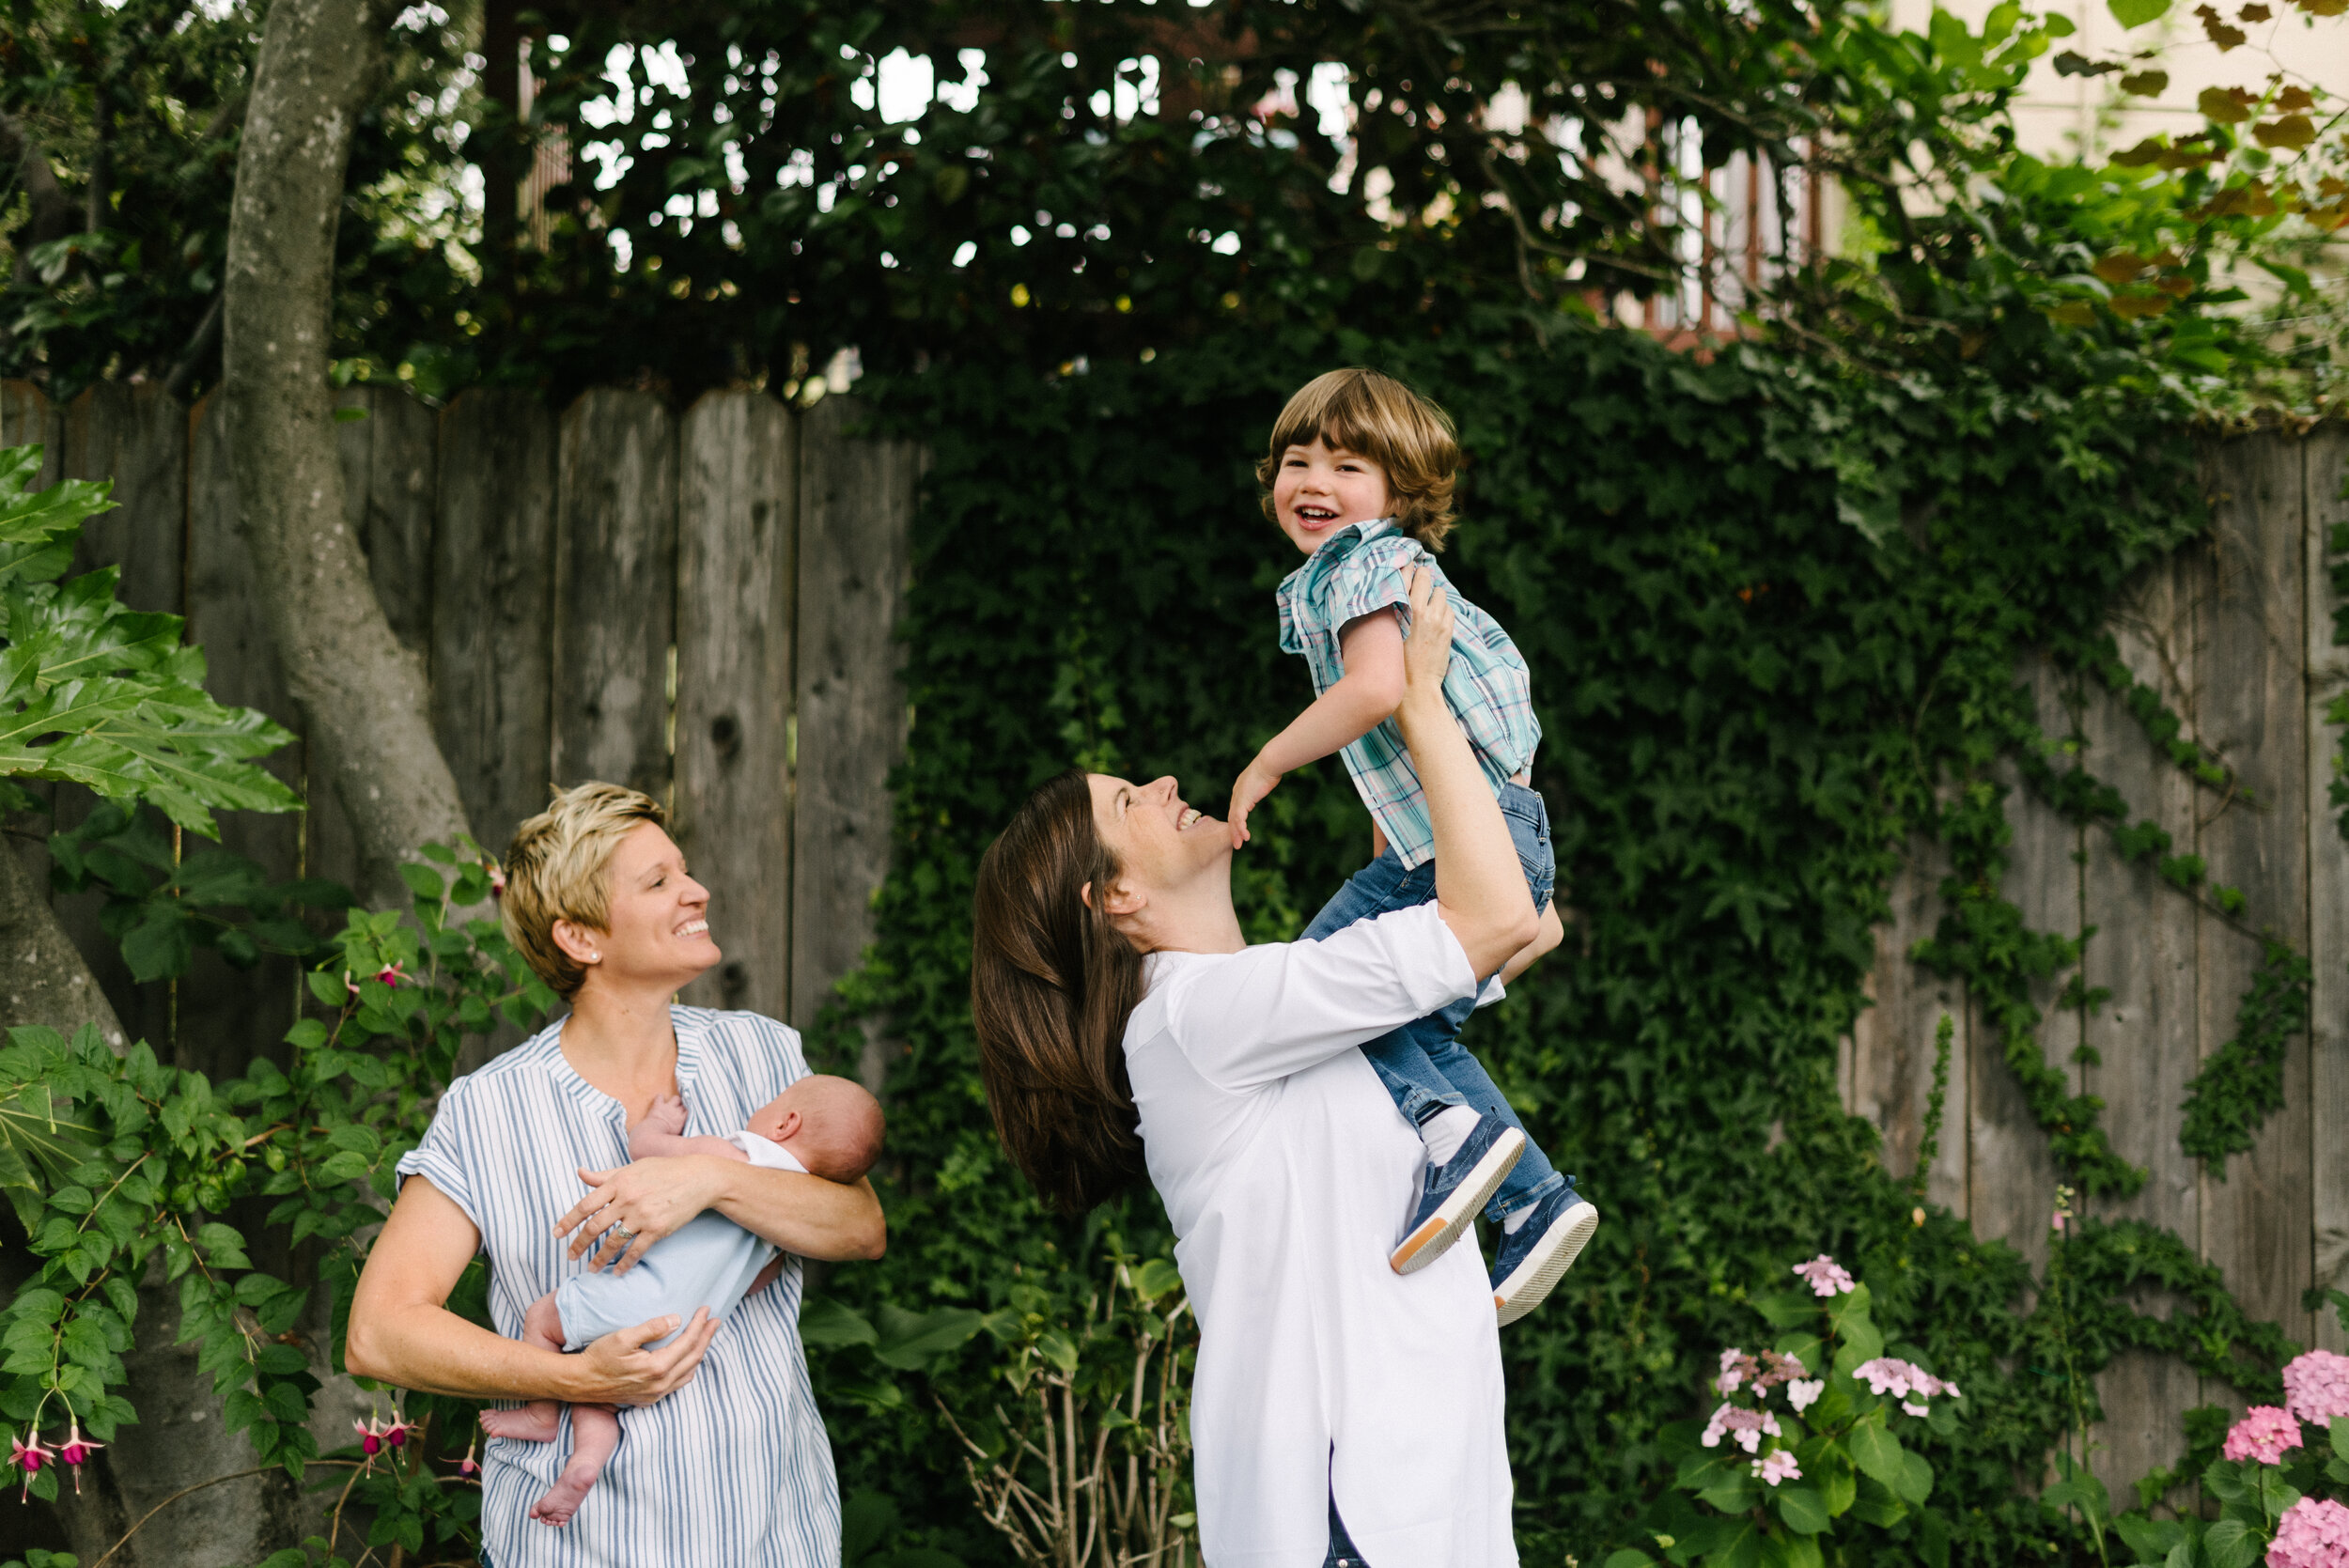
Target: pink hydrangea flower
(1736,1366)
(2313,1533)
(1742,1426)
(1777,1465)
(1904,1380)
(2262,1434)
(2316,1386)
(1825,1276)
(1803,1393)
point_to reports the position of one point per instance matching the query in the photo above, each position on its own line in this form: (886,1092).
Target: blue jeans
(1423,1065)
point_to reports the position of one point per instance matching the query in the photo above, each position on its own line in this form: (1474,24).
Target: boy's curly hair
(1385,421)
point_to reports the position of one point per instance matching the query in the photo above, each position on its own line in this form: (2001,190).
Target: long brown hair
(1053,984)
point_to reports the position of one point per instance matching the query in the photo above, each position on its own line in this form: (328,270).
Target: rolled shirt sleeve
(1282,1007)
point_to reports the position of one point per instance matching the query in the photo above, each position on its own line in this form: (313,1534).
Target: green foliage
(1836,1435)
(2251,1497)
(2242,1083)
(94,693)
(113,1161)
(162,911)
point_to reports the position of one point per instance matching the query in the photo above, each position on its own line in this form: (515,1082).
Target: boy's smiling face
(1320,489)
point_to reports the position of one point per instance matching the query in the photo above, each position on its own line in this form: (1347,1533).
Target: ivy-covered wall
(1755,684)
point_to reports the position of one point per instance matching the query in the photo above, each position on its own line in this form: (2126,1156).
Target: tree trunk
(362,694)
(43,977)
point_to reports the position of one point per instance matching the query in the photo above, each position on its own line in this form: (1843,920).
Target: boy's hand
(1255,783)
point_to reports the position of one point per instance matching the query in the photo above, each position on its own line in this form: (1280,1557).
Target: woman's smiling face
(1320,489)
(657,921)
(1161,842)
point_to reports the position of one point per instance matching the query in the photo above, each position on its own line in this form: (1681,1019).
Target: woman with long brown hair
(1341,1412)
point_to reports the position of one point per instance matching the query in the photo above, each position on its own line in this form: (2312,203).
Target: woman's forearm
(805,1214)
(431,1350)
(1480,886)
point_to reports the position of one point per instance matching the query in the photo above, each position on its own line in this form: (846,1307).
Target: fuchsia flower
(468,1465)
(28,1457)
(76,1451)
(1777,1465)
(396,1432)
(1744,1427)
(1888,1375)
(1825,1276)
(2262,1434)
(2316,1386)
(349,985)
(390,975)
(2313,1533)
(497,878)
(370,1436)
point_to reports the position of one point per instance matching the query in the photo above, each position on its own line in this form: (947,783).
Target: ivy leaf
(828,1324)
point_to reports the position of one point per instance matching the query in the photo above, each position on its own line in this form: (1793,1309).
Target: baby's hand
(667,1116)
(1255,783)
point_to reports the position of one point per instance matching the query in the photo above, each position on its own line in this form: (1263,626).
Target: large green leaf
(1803,1510)
(1876,1452)
(911,1341)
(2135,13)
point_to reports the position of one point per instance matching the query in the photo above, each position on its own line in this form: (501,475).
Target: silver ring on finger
(619,1235)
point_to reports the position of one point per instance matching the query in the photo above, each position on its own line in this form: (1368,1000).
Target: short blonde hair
(555,871)
(1388,423)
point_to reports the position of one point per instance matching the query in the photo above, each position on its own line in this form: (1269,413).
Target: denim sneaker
(1455,1191)
(1536,1253)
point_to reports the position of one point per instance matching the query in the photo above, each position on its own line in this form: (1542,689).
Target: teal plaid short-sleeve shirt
(1356,571)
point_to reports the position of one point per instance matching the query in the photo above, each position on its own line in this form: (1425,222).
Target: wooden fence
(2237,635)
(691,603)
(701,604)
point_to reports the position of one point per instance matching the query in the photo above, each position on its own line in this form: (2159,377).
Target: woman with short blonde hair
(725,1459)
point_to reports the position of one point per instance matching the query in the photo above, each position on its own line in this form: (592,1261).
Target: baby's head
(1355,446)
(830,1124)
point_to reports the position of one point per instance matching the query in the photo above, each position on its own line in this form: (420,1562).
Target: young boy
(1360,476)
(826,1126)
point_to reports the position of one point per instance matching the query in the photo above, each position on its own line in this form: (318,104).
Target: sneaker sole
(1535,1278)
(1440,1230)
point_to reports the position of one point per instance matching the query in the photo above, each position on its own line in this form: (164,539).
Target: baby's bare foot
(563,1498)
(535,1422)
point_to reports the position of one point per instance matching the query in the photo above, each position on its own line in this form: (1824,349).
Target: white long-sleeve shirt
(1288,1174)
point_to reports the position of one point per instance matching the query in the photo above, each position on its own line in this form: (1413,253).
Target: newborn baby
(825,1126)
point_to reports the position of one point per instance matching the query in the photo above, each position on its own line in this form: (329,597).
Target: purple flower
(1742,1426)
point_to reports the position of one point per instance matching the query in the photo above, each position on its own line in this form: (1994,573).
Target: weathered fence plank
(855,500)
(615,590)
(138,437)
(26,417)
(2251,644)
(2143,954)
(493,606)
(1893,1042)
(738,525)
(227,1017)
(2327,463)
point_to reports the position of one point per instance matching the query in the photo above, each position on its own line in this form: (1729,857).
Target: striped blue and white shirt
(733,1469)
(1356,571)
